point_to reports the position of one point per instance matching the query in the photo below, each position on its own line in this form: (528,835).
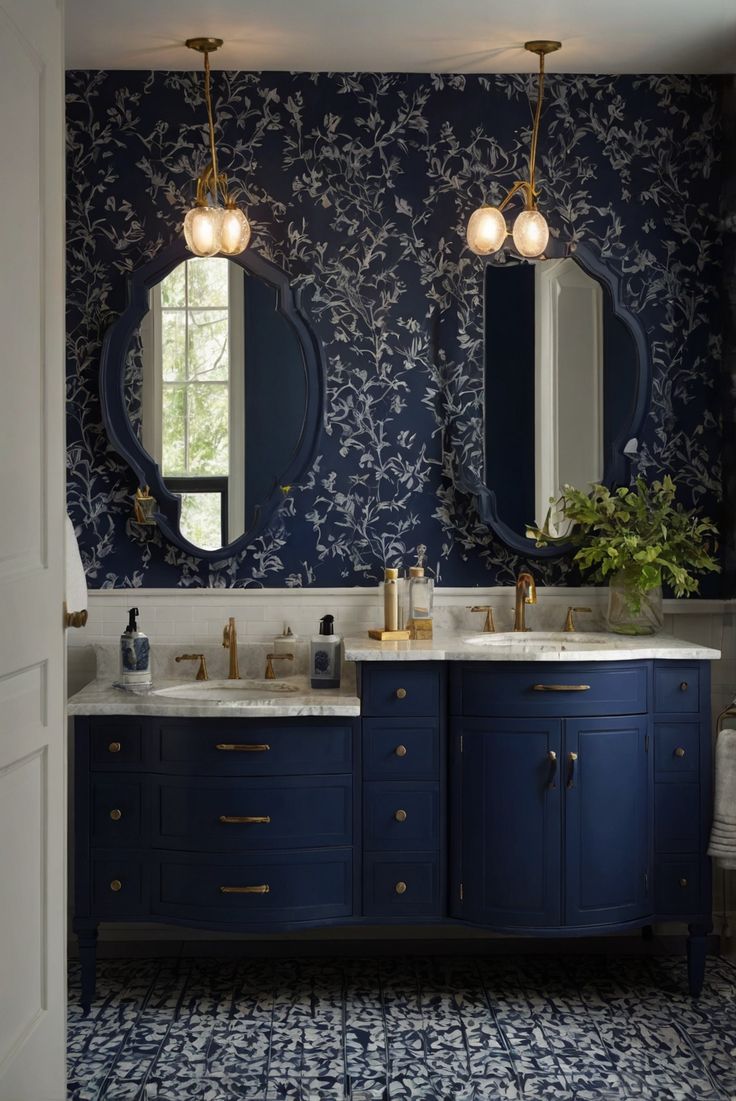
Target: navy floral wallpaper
(359,186)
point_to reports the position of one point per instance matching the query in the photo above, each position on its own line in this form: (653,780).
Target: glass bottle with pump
(421,595)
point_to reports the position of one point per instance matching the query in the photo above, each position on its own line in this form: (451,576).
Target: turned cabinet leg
(87,939)
(696,949)
(647,932)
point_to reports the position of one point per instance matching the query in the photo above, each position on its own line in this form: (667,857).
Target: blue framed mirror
(567,383)
(212,390)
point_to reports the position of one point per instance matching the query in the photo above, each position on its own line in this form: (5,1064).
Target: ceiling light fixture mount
(209,227)
(487,229)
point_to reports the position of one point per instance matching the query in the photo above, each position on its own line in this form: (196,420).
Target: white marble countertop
(530,646)
(102,698)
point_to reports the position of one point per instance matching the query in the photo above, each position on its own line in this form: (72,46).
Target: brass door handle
(234,747)
(400,751)
(400,816)
(114,747)
(115,885)
(679,752)
(561,687)
(75,619)
(400,887)
(260,889)
(116,814)
(400,693)
(571,758)
(244,819)
(552,758)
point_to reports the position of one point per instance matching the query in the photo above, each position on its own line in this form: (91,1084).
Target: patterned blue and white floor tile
(445,1029)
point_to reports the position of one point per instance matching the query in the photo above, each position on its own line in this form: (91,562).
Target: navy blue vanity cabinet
(580,797)
(404,832)
(242,825)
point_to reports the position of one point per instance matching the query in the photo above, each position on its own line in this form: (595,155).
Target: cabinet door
(507,806)
(606,779)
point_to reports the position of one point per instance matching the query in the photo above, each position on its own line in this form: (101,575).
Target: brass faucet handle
(202,671)
(270,659)
(488,624)
(570,617)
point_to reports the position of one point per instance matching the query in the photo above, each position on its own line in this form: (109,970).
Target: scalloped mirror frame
(121,433)
(617,469)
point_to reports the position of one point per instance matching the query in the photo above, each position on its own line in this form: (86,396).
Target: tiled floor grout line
(174,1018)
(499,1028)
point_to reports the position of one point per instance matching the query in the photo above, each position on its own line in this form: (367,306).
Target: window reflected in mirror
(223,394)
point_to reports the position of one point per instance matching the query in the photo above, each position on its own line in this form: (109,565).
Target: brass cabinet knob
(400,693)
(400,816)
(116,814)
(400,751)
(400,887)
(683,882)
(114,747)
(115,885)
(679,752)
(683,686)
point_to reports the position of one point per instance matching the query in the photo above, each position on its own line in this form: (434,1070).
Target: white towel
(723,834)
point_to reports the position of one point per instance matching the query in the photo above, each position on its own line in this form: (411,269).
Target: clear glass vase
(631,611)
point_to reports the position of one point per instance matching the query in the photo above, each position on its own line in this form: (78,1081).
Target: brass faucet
(202,671)
(230,642)
(570,618)
(270,659)
(526,593)
(488,624)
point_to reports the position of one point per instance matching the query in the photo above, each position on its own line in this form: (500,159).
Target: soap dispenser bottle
(324,656)
(135,655)
(421,594)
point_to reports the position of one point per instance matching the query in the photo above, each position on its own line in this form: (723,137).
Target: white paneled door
(32,734)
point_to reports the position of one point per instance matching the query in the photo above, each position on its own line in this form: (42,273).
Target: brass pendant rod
(208,101)
(531,193)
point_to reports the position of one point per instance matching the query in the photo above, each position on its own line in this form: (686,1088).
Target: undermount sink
(228,691)
(548,640)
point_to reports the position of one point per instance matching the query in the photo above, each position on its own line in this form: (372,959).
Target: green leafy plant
(641,531)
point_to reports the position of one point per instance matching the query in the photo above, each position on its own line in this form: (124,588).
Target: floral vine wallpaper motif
(359,186)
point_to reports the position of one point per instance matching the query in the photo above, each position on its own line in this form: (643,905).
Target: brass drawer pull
(679,752)
(683,686)
(245,819)
(400,816)
(261,889)
(233,747)
(561,687)
(400,887)
(552,758)
(116,814)
(683,882)
(400,693)
(400,751)
(114,747)
(115,885)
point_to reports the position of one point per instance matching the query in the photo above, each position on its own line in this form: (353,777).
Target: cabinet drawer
(116,812)
(400,749)
(677,688)
(254,749)
(117,886)
(676,817)
(401,689)
(405,885)
(547,689)
(116,743)
(293,812)
(677,886)
(399,816)
(303,886)
(677,750)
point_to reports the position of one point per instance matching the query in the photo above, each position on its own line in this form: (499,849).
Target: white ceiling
(598,36)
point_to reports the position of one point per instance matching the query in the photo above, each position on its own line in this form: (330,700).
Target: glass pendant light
(209,227)
(487,230)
